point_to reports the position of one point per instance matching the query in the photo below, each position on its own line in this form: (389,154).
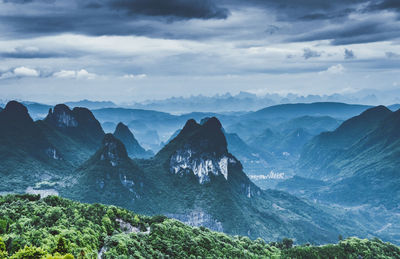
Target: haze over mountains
(203,174)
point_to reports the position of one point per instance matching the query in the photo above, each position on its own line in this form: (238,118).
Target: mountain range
(193,178)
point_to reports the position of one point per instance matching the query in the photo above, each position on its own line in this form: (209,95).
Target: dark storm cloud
(159,18)
(385,5)
(203,9)
(356,32)
(104,17)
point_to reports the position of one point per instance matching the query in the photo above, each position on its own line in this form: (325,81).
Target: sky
(133,50)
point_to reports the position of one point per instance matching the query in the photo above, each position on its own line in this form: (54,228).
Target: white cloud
(335,69)
(75,74)
(132,76)
(20,72)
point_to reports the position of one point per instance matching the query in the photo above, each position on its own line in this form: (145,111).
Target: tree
(29,252)
(61,246)
(3,226)
(3,251)
(340,237)
(287,243)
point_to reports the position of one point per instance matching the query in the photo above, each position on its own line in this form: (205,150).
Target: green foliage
(349,248)
(29,252)
(3,251)
(57,228)
(61,246)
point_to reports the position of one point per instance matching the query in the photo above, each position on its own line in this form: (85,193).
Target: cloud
(390,54)
(334,70)
(20,72)
(349,54)
(74,74)
(132,76)
(308,53)
(184,9)
(30,53)
(384,5)
(293,20)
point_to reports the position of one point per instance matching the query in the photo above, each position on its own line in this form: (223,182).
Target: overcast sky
(131,50)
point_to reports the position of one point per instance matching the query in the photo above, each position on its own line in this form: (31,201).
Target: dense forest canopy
(54,227)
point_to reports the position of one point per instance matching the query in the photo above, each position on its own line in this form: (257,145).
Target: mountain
(338,146)
(109,176)
(37,110)
(196,180)
(288,111)
(356,167)
(254,161)
(394,107)
(282,144)
(133,147)
(91,104)
(312,124)
(26,155)
(79,123)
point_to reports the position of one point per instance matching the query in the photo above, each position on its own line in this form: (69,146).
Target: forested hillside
(54,227)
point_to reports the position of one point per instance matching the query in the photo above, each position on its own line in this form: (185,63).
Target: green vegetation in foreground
(54,227)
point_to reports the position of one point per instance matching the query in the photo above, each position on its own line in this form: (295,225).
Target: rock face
(133,147)
(113,150)
(201,149)
(62,117)
(190,160)
(79,123)
(197,218)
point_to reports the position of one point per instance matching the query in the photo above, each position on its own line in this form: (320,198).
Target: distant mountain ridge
(292,110)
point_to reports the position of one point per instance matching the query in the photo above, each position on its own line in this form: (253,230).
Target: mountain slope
(26,155)
(133,147)
(356,167)
(195,179)
(337,145)
(76,133)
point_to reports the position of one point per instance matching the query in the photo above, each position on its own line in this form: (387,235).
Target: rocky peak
(134,149)
(16,111)
(122,131)
(15,119)
(113,150)
(190,126)
(201,149)
(62,117)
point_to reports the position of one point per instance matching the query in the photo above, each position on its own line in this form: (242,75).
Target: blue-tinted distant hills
(91,104)
(289,111)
